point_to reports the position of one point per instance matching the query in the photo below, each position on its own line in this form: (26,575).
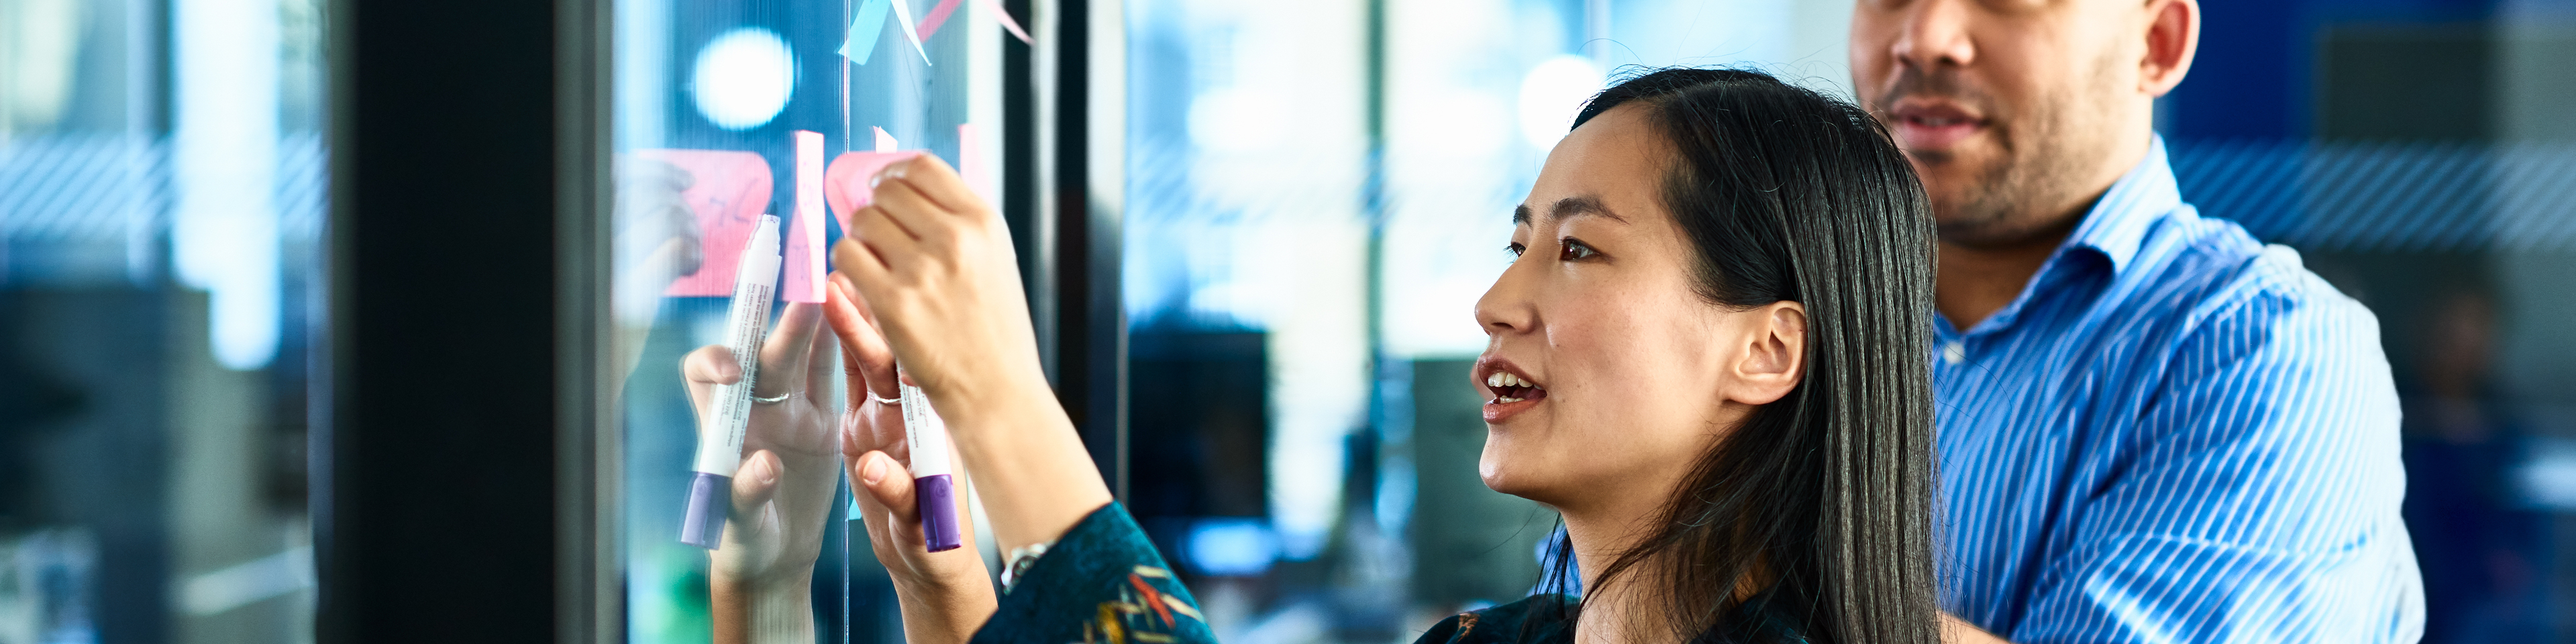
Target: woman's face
(1605,374)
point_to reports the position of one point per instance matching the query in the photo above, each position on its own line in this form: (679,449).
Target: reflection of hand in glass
(783,493)
(657,240)
(657,235)
(945,595)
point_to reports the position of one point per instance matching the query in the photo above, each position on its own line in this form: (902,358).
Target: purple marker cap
(936,498)
(710,499)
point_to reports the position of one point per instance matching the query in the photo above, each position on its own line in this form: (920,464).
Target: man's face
(2012,110)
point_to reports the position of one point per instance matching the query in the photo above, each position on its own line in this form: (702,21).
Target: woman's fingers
(919,214)
(894,244)
(929,178)
(866,358)
(865,264)
(787,349)
(889,485)
(820,360)
(706,368)
(754,483)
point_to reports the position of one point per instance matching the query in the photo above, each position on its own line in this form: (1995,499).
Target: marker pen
(720,443)
(934,491)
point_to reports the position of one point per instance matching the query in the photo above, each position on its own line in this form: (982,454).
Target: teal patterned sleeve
(1102,582)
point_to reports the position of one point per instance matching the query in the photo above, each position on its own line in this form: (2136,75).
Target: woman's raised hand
(932,265)
(945,596)
(783,492)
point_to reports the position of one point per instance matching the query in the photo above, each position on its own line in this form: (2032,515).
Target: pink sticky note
(805,252)
(1008,23)
(845,184)
(971,164)
(729,191)
(885,142)
(938,15)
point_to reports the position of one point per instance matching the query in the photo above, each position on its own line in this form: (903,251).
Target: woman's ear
(1775,353)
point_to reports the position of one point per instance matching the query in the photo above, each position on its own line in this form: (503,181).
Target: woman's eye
(1515,248)
(1574,249)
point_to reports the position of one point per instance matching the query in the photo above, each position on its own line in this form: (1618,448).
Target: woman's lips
(1511,392)
(1512,395)
(1496,410)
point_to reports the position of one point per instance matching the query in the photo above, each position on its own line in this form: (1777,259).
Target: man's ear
(2173,34)
(1775,356)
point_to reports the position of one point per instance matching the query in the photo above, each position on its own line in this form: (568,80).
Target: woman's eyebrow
(1567,208)
(1572,207)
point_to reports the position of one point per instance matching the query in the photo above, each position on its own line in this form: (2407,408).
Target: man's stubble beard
(2043,161)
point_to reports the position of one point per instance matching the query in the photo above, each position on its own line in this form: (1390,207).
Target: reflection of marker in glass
(755,279)
(934,491)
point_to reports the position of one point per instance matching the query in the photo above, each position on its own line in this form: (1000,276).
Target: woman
(1708,356)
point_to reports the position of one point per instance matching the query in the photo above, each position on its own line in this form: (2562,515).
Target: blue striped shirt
(2174,434)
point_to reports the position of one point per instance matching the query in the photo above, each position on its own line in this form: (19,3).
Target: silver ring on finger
(884,401)
(774,399)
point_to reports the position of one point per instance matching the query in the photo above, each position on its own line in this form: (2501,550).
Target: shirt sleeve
(2257,500)
(1101,582)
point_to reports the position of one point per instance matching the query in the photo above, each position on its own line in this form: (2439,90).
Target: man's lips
(1933,126)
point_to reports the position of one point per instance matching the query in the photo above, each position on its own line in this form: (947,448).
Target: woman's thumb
(888,483)
(755,482)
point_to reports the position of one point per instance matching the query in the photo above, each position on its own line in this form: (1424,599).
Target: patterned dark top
(1103,583)
(1100,582)
(1540,619)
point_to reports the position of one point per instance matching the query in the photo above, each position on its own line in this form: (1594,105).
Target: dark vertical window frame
(1075,108)
(589,570)
(458,480)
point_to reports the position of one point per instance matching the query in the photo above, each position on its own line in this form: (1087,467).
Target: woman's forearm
(1031,470)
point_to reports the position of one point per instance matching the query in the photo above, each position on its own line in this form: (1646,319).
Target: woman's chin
(1515,476)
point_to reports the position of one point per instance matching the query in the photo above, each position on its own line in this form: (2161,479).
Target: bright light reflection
(743,78)
(1552,94)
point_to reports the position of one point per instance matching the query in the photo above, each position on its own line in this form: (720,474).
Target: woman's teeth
(1504,384)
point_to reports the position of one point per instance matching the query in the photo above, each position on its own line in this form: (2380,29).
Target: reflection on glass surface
(708,98)
(161,200)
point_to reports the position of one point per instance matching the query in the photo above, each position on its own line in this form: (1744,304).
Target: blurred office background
(161,202)
(1311,196)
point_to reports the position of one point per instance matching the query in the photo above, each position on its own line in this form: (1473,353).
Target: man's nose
(1935,34)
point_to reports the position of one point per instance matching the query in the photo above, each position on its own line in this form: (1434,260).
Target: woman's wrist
(777,610)
(937,612)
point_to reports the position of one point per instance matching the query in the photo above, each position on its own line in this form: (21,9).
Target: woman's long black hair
(1822,498)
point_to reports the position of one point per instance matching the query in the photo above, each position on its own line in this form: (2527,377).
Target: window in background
(2413,153)
(161,199)
(709,96)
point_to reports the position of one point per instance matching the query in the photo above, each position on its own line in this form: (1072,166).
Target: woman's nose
(1506,307)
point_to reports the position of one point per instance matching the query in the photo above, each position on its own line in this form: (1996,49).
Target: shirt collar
(2114,229)
(2118,223)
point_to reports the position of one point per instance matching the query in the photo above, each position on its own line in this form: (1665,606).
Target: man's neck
(1972,282)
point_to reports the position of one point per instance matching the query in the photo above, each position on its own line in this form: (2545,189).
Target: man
(2153,427)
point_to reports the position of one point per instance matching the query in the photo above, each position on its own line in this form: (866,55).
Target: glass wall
(726,112)
(161,202)
(1317,195)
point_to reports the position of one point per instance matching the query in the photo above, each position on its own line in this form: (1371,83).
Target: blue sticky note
(864,30)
